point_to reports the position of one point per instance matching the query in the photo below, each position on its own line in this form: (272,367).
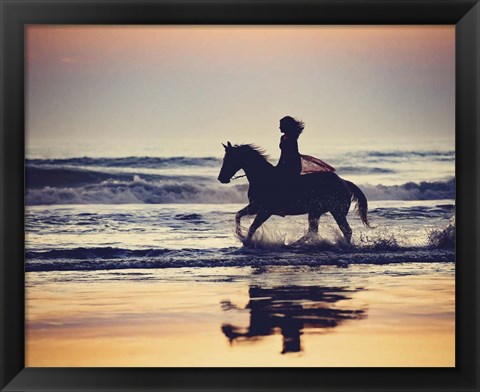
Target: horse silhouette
(269,194)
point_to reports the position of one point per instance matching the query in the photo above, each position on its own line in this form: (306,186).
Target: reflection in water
(289,310)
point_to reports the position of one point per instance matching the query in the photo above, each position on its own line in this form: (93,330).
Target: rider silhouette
(289,165)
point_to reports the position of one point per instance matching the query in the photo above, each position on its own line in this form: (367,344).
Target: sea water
(98,213)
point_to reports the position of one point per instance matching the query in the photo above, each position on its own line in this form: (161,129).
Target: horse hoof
(242,237)
(247,241)
(307,239)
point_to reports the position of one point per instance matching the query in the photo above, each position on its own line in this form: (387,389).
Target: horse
(313,194)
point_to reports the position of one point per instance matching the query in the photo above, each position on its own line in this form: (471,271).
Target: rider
(290,162)
(289,166)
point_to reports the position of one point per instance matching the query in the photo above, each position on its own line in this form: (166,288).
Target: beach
(385,315)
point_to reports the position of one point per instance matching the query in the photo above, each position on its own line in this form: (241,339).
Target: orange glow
(409,322)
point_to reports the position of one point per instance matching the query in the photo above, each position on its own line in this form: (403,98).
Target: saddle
(310,165)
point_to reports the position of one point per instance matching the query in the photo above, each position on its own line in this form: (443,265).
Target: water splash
(443,239)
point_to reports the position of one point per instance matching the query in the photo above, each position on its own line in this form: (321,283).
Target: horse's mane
(253,149)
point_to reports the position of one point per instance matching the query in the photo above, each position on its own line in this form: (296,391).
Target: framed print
(240,195)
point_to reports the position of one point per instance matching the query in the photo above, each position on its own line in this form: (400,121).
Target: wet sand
(360,315)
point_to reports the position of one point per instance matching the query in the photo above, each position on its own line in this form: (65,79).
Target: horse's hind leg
(313,223)
(312,228)
(341,220)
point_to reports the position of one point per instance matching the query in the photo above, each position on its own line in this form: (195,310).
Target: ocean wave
(363,170)
(82,253)
(409,154)
(443,238)
(135,189)
(80,259)
(413,212)
(39,177)
(424,190)
(162,162)
(131,162)
(74,177)
(139,190)
(36,177)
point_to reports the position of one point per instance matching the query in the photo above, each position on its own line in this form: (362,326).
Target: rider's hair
(292,126)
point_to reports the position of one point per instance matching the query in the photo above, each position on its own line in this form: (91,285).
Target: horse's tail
(362,205)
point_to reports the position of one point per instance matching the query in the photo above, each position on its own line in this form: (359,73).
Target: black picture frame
(15,14)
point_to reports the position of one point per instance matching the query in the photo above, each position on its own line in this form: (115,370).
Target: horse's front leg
(248,210)
(261,217)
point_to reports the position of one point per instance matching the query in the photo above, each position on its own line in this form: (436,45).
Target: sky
(182,90)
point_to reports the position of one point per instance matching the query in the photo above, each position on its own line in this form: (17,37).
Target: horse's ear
(224,146)
(229,144)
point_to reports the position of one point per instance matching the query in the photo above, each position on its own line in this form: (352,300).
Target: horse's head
(232,163)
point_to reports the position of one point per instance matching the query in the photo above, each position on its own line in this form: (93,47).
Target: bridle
(234,178)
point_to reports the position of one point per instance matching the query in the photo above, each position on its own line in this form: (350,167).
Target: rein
(234,178)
